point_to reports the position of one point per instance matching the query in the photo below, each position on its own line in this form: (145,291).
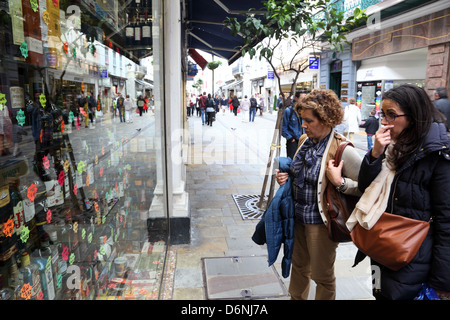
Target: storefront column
(170,73)
(437,68)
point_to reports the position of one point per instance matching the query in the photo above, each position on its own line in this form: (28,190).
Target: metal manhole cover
(248,205)
(247,277)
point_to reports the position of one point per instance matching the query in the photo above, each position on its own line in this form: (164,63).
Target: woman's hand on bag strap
(334,174)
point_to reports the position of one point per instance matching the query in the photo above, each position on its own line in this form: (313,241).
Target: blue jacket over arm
(277,225)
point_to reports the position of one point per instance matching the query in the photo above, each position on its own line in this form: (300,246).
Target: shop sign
(313,62)
(270,75)
(34,45)
(17,97)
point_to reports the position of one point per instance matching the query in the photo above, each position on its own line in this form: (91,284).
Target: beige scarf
(373,202)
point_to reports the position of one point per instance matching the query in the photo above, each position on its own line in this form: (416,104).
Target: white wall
(405,65)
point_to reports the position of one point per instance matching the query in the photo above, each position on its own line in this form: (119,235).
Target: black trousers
(210,118)
(291,148)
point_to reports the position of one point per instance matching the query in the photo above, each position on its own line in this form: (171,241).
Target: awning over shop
(143,83)
(231,85)
(206,29)
(197,57)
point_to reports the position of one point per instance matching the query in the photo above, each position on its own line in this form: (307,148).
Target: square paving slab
(247,277)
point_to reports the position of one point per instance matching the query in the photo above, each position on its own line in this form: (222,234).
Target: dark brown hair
(420,111)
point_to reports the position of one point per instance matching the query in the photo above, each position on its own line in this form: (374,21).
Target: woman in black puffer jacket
(420,189)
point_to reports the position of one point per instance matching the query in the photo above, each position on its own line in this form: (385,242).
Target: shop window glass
(79,151)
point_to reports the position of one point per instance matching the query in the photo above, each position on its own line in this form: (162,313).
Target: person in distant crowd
(120,104)
(223,104)
(92,106)
(202,106)
(280,101)
(217,102)
(245,107)
(253,107)
(140,105)
(152,103)
(352,117)
(188,105)
(83,107)
(442,103)
(291,128)
(210,110)
(193,102)
(411,160)
(129,108)
(261,105)
(371,125)
(235,104)
(113,106)
(311,170)
(146,100)
(197,106)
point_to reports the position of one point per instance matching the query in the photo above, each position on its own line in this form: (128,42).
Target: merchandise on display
(75,191)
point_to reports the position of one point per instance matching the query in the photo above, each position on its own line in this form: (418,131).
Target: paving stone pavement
(230,158)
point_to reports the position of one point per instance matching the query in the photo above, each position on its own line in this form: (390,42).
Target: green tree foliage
(308,23)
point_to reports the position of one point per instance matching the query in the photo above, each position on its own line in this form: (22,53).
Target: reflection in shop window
(78,152)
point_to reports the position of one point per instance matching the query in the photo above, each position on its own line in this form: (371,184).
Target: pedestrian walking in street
(140,104)
(291,128)
(253,107)
(197,106)
(312,169)
(202,106)
(235,104)
(371,125)
(121,107)
(261,105)
(92,106)
(192,104)
(280,101)
(113,107)
(129,108)
(210,110)
(352,117)
(442,103)
(83,107)
(410,162)
(245,108)
(223,104)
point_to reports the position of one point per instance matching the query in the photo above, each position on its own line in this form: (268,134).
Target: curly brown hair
(325,105)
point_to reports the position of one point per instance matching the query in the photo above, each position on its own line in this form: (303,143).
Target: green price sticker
(24,49)
(59,280)
(34,5)
(20,118)
(72,258)
(81,166)
(49,263)
(24,234)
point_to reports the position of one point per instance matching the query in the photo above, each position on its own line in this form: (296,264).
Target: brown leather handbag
(393,241)
(340,206)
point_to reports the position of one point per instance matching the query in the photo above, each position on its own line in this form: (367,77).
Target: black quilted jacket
(421,189)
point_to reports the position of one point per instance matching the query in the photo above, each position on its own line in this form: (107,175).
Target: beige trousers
(313,259)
